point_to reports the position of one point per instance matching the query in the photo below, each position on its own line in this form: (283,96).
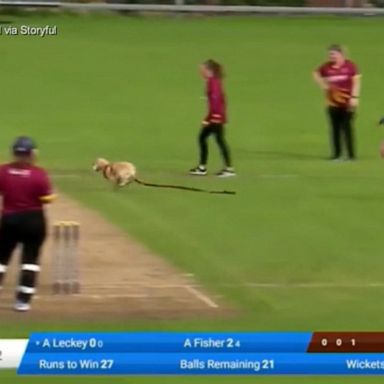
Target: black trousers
(341,131)
(218,131)
(29,230)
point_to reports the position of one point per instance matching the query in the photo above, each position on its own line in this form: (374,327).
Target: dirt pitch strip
(119,277)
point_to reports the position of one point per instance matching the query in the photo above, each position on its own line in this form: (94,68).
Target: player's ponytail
(215,67)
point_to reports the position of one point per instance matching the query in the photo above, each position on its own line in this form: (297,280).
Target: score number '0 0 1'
(338,342)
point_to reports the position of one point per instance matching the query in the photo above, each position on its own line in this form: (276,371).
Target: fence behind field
(272,7)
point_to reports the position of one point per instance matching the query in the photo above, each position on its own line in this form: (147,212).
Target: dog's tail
(224,192)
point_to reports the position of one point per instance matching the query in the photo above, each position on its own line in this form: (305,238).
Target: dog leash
(181,187)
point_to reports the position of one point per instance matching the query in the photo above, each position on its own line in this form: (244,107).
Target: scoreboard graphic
(175,353)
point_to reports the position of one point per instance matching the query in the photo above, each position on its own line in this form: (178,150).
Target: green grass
(128,88)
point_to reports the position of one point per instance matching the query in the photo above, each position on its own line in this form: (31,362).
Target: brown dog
(120,173)
(123,173)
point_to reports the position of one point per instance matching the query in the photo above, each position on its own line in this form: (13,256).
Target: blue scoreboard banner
(173,353)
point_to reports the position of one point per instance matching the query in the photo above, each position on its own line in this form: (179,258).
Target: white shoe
(21,307)
(227,172)
(198,171)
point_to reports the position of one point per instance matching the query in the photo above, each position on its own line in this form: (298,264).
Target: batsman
(25,189)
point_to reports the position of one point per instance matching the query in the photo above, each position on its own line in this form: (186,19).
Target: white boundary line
(193,290)
(199,295)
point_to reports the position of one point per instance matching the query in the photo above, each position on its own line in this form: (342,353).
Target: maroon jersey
(24,188)
(340,81)
(216,102)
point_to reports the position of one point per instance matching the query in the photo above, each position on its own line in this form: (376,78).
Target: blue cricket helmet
(23,145)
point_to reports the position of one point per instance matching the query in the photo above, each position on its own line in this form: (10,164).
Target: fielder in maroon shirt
(340,79)
(24,188)
(215,120)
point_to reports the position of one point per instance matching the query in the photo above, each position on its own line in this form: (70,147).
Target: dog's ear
(100,164)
